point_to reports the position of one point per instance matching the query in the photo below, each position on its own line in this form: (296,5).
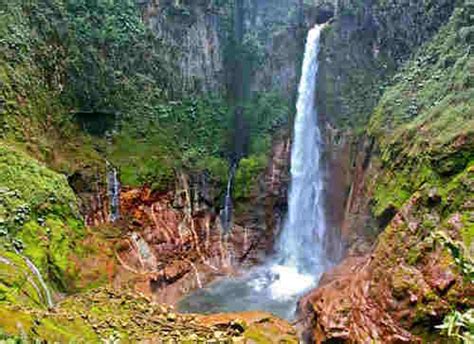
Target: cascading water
(113,192)
(226,216)
(300,258)
(300,253)
(37,273)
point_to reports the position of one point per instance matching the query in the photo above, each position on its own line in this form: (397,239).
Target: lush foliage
(98,65)
(189,135)
(364,47)
(265,114)
(459,326)
(432,95)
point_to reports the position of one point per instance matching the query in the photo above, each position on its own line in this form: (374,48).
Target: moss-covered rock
(41,228)
(424,145)
(363,47)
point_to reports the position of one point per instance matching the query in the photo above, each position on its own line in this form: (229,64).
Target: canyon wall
(170,243)
(199,36)
(194,33)
(392,89)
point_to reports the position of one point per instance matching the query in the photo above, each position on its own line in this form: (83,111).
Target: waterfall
(300,252)
(113,192)
(301,239)
(300,257)
(37,273)
(226,216)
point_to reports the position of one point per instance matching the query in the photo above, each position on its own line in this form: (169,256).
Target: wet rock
(384,296)
(434,197)
(238,325)
(439,278)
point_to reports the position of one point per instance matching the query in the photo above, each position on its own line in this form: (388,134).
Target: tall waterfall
(300,242)
(300,258)
(300,253)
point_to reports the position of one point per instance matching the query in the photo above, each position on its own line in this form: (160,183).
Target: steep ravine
(395,100)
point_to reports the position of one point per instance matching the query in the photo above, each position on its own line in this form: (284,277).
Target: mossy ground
(106,314)
(40,220)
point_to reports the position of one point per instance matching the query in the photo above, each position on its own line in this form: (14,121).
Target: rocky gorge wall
(199,34)
(170,243)
(407,178)
(192,30)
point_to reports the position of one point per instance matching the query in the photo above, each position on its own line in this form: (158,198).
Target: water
(300,257)
(226,217)
(114,192)
(37,273)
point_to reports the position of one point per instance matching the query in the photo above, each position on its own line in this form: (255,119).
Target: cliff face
(408,204)
(364,47)
(167,244)
(194,33)
(199,36)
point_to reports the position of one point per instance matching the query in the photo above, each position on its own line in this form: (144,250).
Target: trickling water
(300,259)
(37,273)
(226,217)
(114,192)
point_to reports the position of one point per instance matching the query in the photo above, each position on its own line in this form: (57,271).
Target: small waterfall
(226,215)
(113,192)
(37,273)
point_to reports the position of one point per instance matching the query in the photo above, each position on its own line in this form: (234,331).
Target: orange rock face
(169,250)
(170,243)
(407,283)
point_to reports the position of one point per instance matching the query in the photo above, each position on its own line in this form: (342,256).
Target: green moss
(467,232)
(413,255)
(404,280)
(424,124)
(261,334)
(39,218)
(28,325)
(246,177)
(17,284)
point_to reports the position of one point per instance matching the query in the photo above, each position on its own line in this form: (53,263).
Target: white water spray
(300,254)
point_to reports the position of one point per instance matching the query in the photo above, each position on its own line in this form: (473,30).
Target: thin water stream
(113,192)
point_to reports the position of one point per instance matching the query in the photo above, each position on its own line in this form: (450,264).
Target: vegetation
(458,325)
(39,219)
(98,67)
(430,96)
(362,50)
(423,126)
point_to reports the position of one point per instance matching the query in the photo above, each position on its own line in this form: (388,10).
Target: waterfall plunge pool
(272,288)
